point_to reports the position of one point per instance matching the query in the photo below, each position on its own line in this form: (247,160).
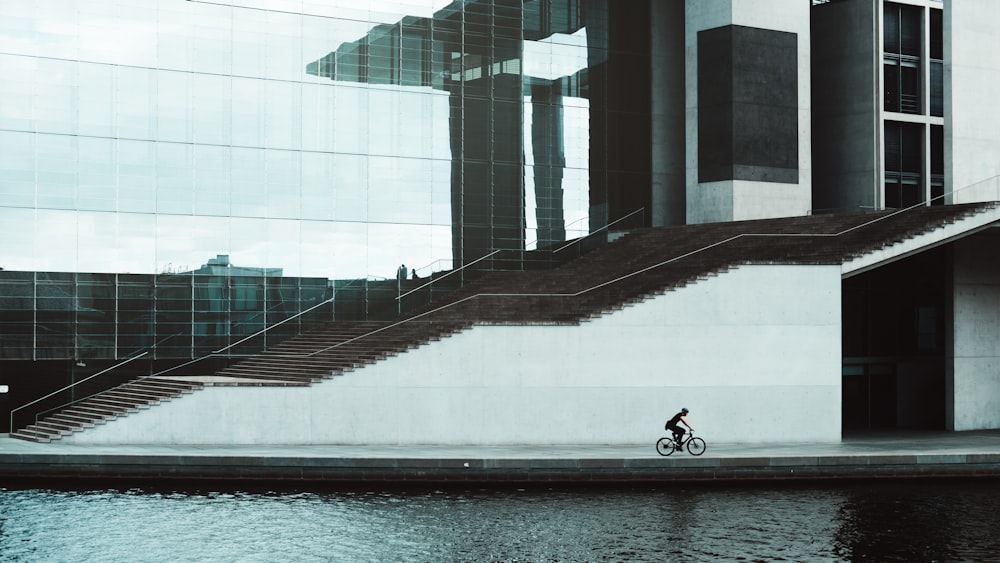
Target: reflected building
(520,77)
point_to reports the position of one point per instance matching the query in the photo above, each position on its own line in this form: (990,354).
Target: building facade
(322,148)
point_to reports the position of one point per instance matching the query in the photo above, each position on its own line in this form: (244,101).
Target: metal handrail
(463,267)
(561,248)
(75,383)
(604,228)
(116,366)
(618,279)
(267,328)
(68,387)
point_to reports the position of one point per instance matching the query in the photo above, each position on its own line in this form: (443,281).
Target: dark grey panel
(715,104)
(747,105)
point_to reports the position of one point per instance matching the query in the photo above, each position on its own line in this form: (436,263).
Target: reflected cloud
(556,56)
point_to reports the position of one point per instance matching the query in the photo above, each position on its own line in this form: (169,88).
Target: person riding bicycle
(677,430)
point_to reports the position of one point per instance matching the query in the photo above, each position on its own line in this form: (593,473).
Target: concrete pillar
(973,378)
(667,108)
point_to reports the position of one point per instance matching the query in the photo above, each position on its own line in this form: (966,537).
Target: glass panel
(173,106)
(136,108)
(97,179)
(937,35)
(212,182)
(17,169)
(910,30)
(890,34)
(912,148)
(248,182)
(910,194)
(211,111)
(174,178)
(17,90)
(909,88)
(283,197)
(937,149)
(893,147)
(96,97)
(281,114)
(892,193)
(246,123)
(891,87)
(937,89)
(54,107)
(317,176)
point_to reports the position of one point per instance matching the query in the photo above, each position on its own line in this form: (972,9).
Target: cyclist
(677,430)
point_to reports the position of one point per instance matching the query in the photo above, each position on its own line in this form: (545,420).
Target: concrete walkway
(898,454)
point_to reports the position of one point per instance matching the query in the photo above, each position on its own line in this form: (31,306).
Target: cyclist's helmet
(684,410)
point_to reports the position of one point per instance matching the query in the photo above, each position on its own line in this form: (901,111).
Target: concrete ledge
(247,468)
(926,455)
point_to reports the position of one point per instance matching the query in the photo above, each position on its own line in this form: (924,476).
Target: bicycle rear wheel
(696,446)
(664,446)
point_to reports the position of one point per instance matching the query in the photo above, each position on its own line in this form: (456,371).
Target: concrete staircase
(338,348)
(108,405)
(639,265)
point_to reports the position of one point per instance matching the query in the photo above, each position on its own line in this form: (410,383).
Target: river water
(875,521)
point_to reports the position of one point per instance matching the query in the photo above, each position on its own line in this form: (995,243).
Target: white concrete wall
(739,200)
(972,79)
(975,370)
(754,353)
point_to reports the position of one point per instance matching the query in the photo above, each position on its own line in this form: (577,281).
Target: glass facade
(913,84)
(179,174)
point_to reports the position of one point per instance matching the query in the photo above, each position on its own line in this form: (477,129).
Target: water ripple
(912,521)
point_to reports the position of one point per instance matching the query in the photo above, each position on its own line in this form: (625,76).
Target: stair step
(71,419)
(48,426)
(31,436)
(77,410)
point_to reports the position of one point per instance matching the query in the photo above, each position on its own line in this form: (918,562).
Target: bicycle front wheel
(696,446)
(664,446)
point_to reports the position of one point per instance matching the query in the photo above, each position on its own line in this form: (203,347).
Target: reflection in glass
(322,140)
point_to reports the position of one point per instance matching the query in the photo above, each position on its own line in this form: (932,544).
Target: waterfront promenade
(877,455)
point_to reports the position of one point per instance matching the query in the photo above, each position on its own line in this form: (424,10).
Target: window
(901,58)
(937,165)
(937,64)
(903,164)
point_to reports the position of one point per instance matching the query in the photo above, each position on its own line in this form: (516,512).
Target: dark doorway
(869,397)
(893,344)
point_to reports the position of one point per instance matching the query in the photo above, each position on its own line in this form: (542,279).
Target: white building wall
(737,200)
(972,79)
(975,377)
(753,353)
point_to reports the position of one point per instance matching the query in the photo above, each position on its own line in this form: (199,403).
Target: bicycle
(695,446)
